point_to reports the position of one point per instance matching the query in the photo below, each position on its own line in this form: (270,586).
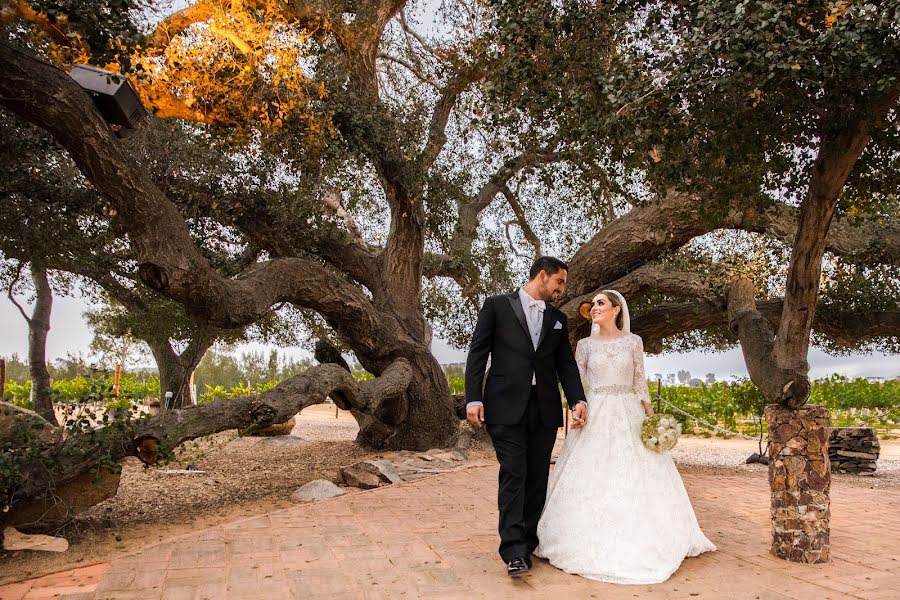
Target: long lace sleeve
(640,377)
(581,357)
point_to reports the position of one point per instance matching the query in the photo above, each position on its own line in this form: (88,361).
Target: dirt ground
(248,476)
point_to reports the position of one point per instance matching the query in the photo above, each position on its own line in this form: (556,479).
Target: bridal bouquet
(660,432)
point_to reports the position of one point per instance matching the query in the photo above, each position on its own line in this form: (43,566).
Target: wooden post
(118,380)
(2,378)
(659,394)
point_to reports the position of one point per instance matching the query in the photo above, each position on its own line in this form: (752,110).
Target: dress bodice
(613,365)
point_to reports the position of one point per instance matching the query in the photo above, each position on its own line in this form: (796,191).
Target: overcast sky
(70,334)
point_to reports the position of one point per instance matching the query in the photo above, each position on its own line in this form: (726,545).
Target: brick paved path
(436,538)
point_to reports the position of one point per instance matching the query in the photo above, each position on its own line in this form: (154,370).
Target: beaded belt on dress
(613,389)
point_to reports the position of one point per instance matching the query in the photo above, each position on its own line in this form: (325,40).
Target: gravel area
(717,454)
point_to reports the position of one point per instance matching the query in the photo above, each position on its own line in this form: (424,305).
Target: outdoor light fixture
(115,98)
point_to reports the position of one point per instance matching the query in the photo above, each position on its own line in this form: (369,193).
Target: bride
(615,510)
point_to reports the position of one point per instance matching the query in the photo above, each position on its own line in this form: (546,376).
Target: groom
(528,342)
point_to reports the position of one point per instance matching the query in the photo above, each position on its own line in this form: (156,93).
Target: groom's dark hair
(548,264)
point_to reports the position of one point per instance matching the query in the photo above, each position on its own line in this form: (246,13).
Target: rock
(448,456)
(13,539)
(383,469)
(757,458)
(359,478)
(283,440)
(865,455)
(386,470)
(278,428)
(319,489)
(853,450)
(800,481)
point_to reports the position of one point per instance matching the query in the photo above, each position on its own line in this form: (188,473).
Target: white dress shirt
(534,316)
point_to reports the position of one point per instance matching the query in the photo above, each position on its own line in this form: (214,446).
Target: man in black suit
(528,343)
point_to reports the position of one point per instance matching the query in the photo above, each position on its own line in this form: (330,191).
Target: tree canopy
(332,156)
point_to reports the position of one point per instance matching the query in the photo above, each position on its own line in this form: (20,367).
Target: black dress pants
(523,451)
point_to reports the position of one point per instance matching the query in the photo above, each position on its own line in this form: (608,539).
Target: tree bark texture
(789,387)
(38,329)
(175,370)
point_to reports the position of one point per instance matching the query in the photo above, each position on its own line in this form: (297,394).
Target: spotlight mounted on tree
(114,97)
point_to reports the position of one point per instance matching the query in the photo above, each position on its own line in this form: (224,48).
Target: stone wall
(800,482)
(853,450)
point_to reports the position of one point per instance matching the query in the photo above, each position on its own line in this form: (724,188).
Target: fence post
(659,394)
(117,380)
(2,378)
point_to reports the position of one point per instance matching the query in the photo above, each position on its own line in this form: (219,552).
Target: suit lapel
(516,304)
(546,324)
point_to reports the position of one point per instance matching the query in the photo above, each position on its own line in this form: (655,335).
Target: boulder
(383,469)
(13,539)
(315,490)
(359,478)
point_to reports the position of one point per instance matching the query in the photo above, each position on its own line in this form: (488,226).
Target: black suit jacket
(502,334)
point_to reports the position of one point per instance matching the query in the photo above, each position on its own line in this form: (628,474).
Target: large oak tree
(387,180)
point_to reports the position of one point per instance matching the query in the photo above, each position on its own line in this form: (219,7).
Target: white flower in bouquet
(660,432)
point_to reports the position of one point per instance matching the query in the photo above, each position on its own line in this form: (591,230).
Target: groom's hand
(475,415)
(579,415)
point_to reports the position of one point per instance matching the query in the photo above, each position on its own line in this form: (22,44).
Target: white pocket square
(558,325)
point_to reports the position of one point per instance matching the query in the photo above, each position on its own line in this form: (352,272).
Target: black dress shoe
(517,566)
(528,561)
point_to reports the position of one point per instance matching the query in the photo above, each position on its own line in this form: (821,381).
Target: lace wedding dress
(616,511)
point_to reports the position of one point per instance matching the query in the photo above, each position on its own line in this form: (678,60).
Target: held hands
(475,415)
(579,415)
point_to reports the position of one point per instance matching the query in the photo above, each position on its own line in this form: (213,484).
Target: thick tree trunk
(172,377)
(839,150)
(175,370)
(789,387)
(38,328)
(420,418)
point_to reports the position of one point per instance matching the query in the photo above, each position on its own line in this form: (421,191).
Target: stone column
(800,481)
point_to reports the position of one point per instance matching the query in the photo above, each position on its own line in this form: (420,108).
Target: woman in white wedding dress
(615,510)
